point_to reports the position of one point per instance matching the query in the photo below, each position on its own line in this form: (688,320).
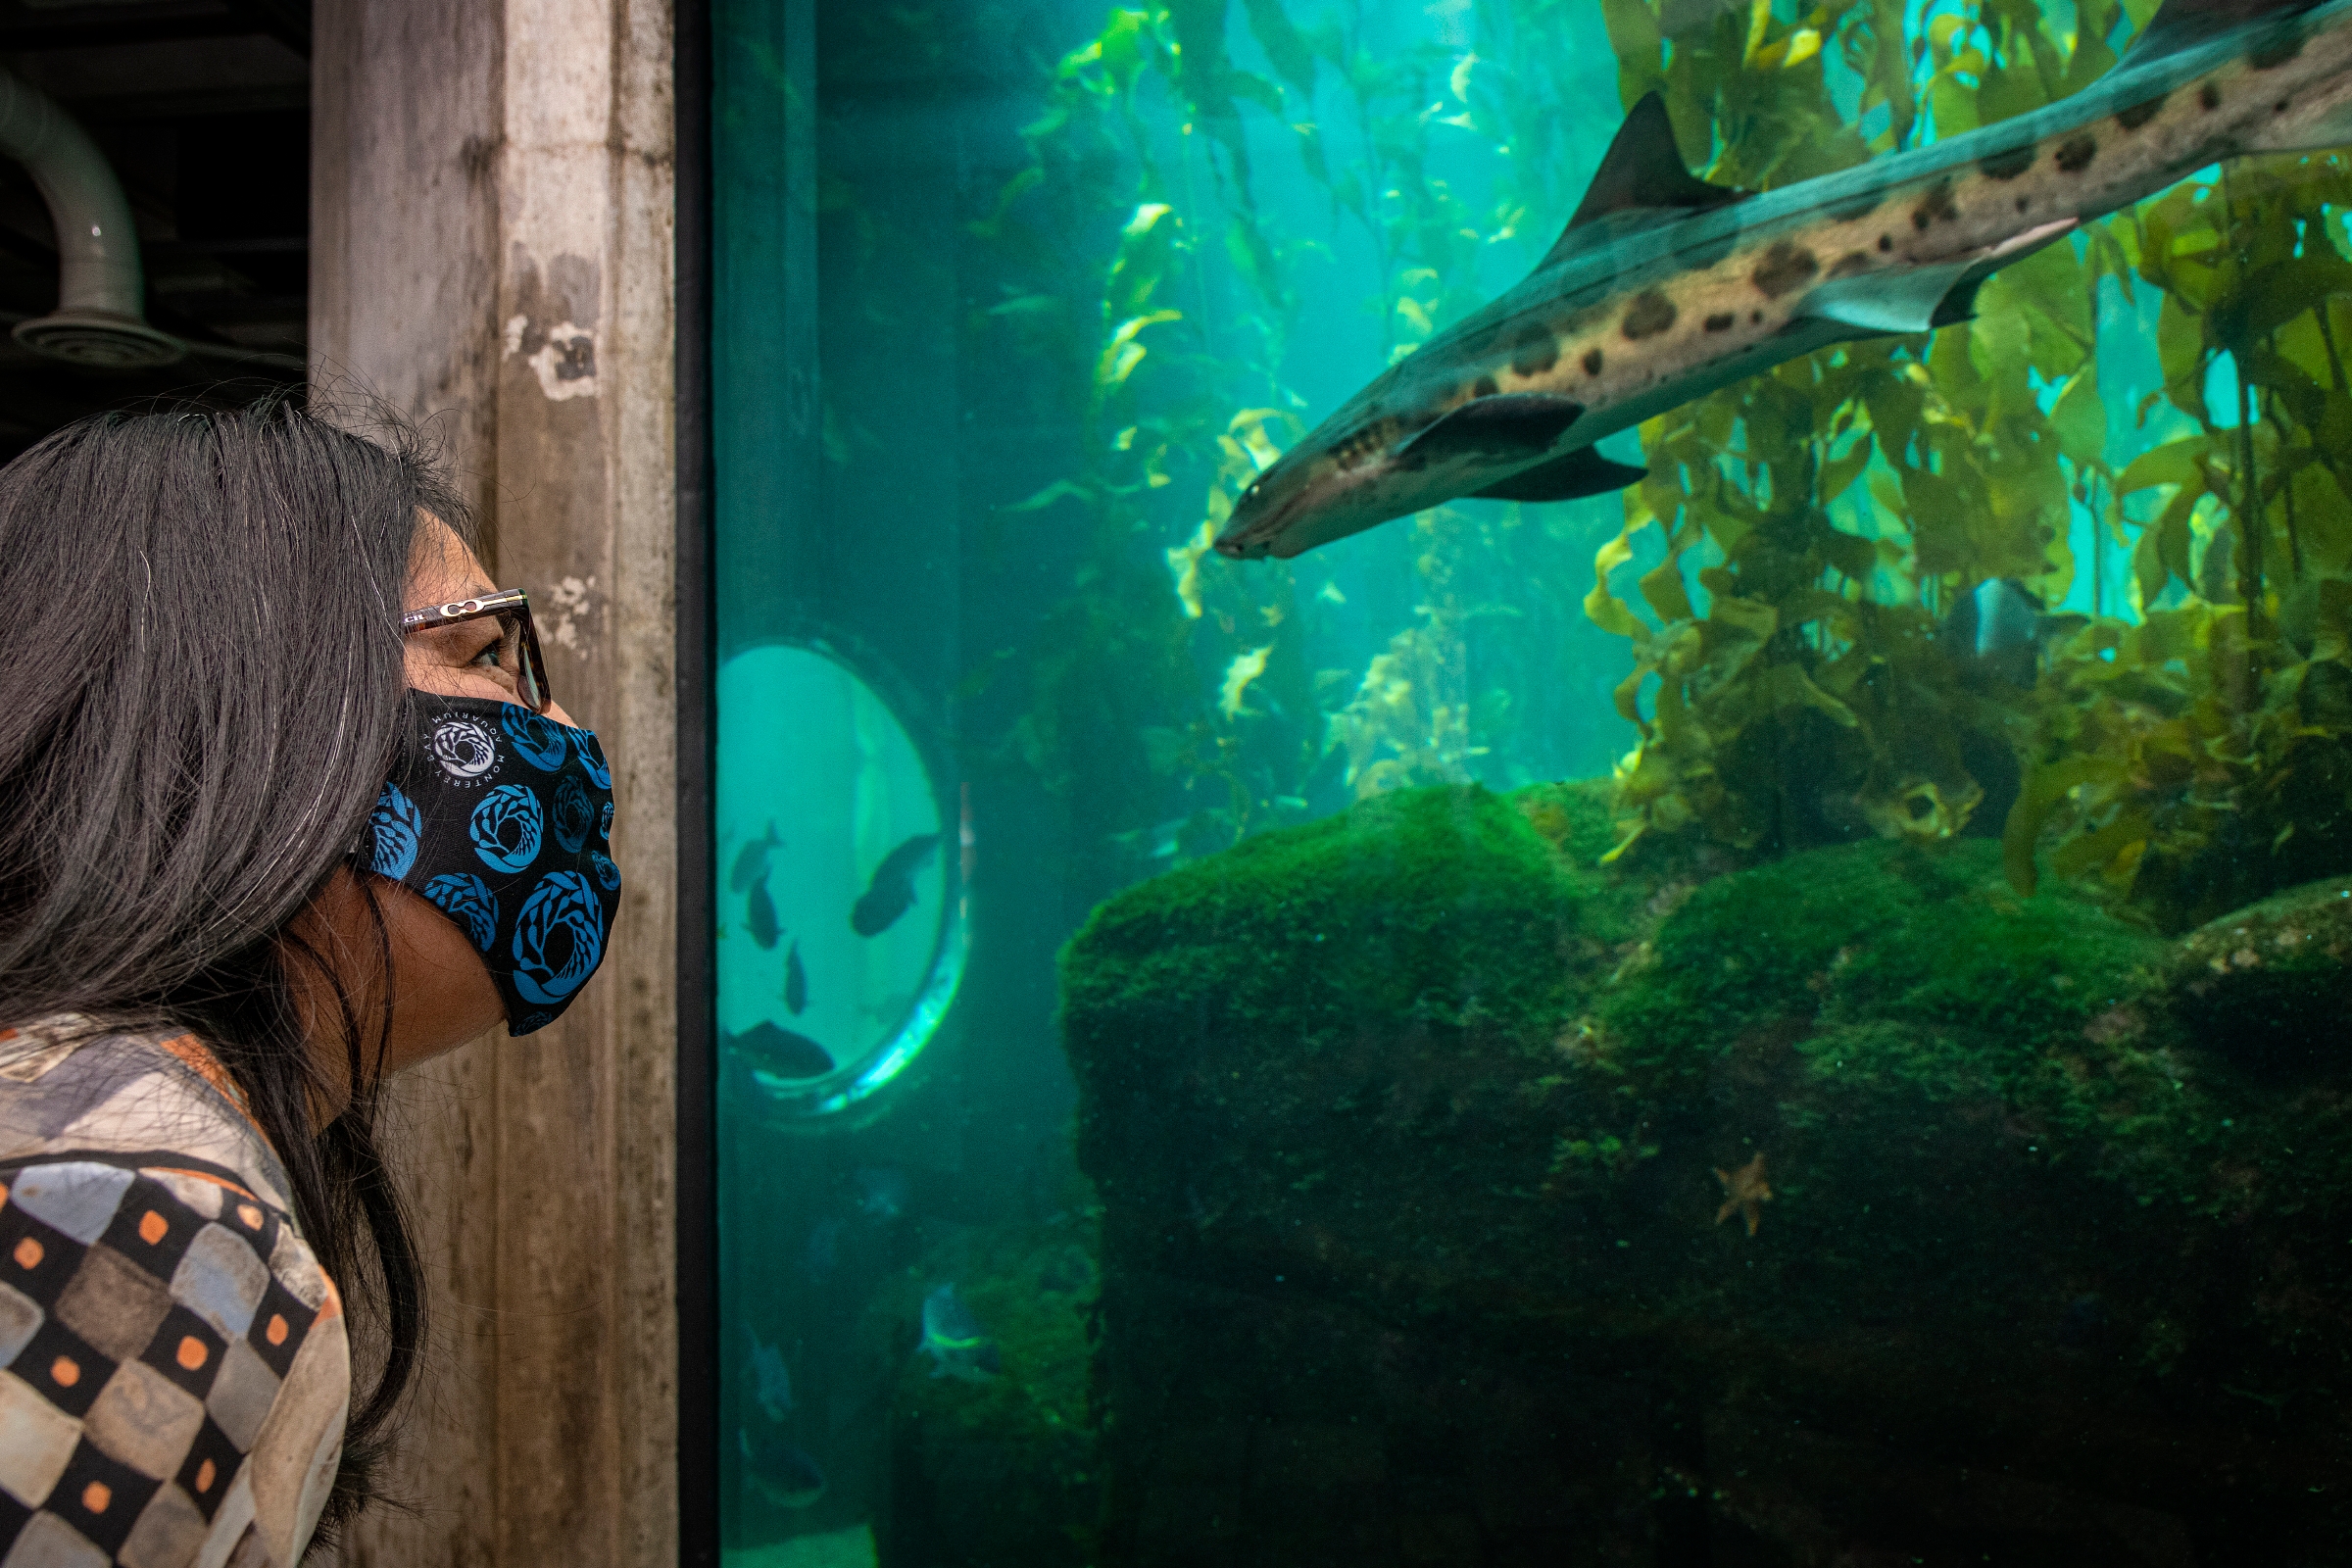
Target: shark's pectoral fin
(1641,171)
(1581,472)
(1513,426)
(1916,299)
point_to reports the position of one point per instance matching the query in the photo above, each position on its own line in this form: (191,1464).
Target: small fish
(891,892)
(796,981)
(1998,625)
(773,1377)
(760,911)
(780,1051)
(1168,838)
(750,861)
(822,1254)
(777,1469)
(882,1191)
(953,1340)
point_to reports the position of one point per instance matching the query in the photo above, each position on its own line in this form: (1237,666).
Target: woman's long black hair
(201,690)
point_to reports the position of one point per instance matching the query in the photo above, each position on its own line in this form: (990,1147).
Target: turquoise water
(1671,1026)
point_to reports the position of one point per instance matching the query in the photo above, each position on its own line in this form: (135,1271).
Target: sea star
(1744,1192)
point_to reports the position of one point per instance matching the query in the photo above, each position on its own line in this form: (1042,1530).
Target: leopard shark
(1664,287)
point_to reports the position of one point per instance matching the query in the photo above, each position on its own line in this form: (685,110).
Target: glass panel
(1527,781)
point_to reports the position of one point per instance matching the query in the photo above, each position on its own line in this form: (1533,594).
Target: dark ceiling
(203,107)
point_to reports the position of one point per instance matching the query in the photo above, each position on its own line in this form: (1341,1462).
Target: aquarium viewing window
(842,937)
(1526,781)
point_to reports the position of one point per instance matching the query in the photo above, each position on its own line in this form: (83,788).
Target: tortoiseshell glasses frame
(518,640)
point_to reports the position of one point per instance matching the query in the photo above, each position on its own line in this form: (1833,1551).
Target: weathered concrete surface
(492,204)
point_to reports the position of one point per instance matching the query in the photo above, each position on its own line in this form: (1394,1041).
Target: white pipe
(100,314)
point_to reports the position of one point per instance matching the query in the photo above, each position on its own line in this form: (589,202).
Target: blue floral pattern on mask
(537,738)
(507,828)
(558,938)
(592,759)
(572,814)
(501,845)
(466,898)
(393,831)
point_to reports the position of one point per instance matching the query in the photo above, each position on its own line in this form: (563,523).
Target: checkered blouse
(174,1376)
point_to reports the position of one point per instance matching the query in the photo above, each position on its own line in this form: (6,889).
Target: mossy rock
(1422,904)
(2270,987)
(1002,1470)
(1428,1063)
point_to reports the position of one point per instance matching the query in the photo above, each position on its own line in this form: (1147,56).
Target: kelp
(1811,527)
(1783,575)
(1141,178)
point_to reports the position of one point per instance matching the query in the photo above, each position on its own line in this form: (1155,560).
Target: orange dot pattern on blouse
(127,1223)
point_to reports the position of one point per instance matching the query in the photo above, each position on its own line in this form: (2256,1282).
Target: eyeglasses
(518,642)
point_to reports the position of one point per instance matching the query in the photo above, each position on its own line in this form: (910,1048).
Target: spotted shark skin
(1638,309)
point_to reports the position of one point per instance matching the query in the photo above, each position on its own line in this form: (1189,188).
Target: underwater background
(1790,1014)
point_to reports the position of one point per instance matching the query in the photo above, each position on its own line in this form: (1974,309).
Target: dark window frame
(697,1200)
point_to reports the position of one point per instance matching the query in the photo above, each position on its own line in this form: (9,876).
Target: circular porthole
(839,883)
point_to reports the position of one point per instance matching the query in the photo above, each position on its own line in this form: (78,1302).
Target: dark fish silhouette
(2000,627)
(772,1376)
(822,1254)
(750,861)
(781,1051)
(760,911)
(796,981)
(775,1468)
(882,1191)
(891,892)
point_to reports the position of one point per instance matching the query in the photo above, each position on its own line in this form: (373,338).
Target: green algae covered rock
(1859,1140)
(999,1471)
(1424,904)
(2273,984)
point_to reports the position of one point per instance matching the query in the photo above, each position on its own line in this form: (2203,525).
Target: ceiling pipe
(100,317)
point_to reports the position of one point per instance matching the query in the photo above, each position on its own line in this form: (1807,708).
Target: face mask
(503,820)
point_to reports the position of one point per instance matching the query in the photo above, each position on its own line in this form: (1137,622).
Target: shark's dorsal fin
(2184,24)
(1643,170)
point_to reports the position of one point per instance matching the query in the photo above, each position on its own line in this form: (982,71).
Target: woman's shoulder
(174,1370)
(71,1085)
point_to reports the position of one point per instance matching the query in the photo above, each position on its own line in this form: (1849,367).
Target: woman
(284,807)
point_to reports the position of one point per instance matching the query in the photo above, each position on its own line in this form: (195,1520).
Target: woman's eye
(488,657)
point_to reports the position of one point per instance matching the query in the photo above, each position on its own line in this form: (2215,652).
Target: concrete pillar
(492,216)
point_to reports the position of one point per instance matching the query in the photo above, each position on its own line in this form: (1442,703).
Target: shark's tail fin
(2185,23)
